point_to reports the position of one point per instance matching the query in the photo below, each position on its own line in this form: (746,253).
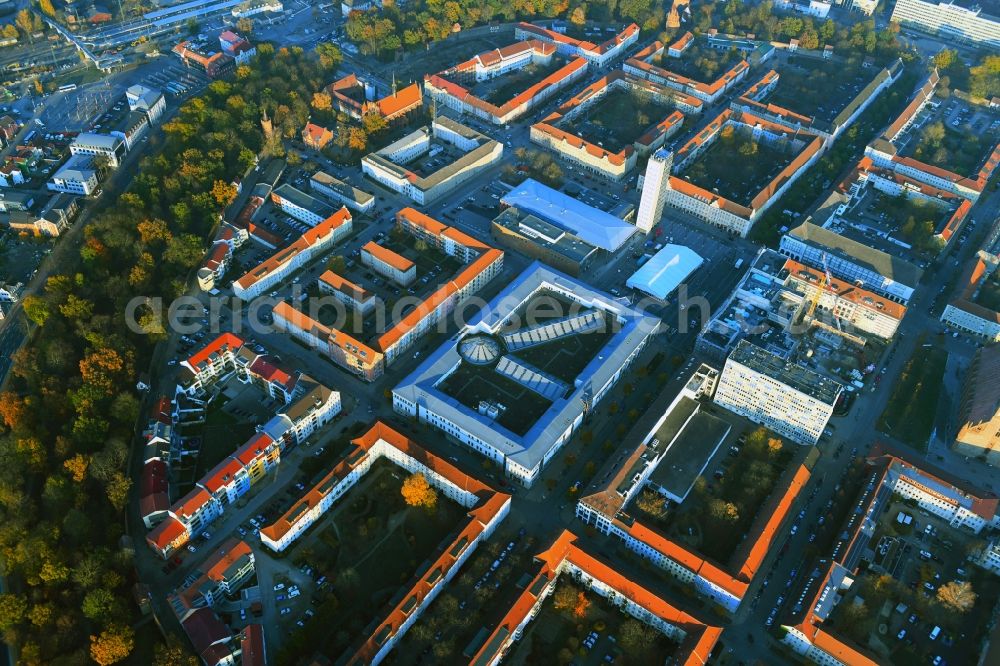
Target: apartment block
(353,296)
(961,21)
(389,165)
(486,509)
(979,411)
(791,400)
(885,153)
(389,264)
(641,65)
(368,359)
(284,262)
(304,208)
(451,87)
(849,260)
(343,193)
(599,55)
(614,165)
(886,476)
(695,638)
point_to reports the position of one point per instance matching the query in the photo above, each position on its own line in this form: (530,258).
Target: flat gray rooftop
(693,446)
(528,451)
(794,375)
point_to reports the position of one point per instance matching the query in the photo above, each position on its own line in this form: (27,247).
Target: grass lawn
(736,167)
(909,414)
(618,119)
(510,85)
(470,384)
(374,544)
(819,89)
(700,62)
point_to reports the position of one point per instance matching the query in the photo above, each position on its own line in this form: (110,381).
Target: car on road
(285,611)
(279,587)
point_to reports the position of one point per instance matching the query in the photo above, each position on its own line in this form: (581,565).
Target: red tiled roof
(253,449)
(342,284)
(222,475)
(397,261)
(154,478)
(845,290)
(701,636)
(166,533)
(491,503)
(252,646)
(191,503)
(272,373)
(309,238)
(205,629)
(161,410)
(401,101)
(226,341)
(232,550)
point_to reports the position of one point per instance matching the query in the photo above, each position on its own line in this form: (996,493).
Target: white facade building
(111,147)
(655,187)
(961,21)
(791,400)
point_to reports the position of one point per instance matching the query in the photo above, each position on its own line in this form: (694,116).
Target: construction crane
(819,291)
(825,283)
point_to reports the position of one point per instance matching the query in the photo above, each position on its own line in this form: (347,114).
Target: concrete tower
(655,185)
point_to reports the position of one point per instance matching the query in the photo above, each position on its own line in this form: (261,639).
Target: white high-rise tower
(655,184)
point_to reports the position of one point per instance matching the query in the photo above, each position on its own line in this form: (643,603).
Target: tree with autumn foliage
(417,491)
(112,645)
(957,595)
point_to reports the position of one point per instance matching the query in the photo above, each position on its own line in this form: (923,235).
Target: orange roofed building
(732,216)
(451,87)
(605,506)
(486,509)
(696,638)
(887,476)
(369,359)
(641,65)
(598,54)
(884,152)
(286,261)
(316,136)
(616,164)
(356,97)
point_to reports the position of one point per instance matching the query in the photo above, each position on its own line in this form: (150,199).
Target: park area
(618,119)
(909,414)
(736,166)
(820,89)
(961,152)
(700,62)
(369,546)
(577,626)
(723,507)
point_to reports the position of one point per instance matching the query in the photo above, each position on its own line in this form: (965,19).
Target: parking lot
(914,554)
